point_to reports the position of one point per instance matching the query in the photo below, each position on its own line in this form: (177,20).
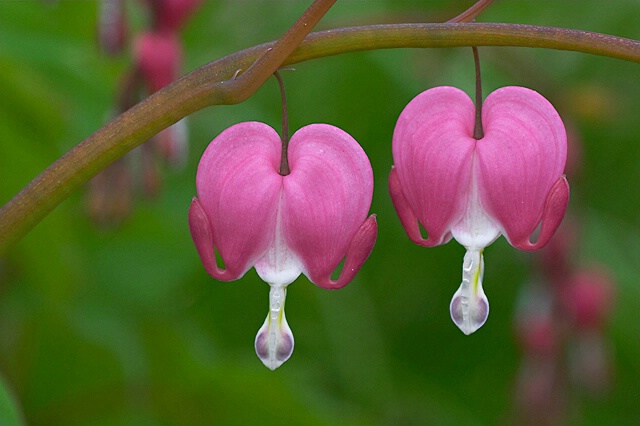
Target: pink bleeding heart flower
(508,182)
(304,222)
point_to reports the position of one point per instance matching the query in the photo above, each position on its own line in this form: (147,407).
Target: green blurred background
(122,326)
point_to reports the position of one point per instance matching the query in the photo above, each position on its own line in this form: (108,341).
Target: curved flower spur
(508,182)
(304,222)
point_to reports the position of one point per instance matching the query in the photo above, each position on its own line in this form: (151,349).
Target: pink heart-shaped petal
(433,149)
(326,199)
(520,158)
(239,188)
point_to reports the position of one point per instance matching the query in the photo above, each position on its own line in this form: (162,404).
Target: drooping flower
(507,183)
(304,222)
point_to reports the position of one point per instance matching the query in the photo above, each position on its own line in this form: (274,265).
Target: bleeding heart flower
(508,182)
(304,222)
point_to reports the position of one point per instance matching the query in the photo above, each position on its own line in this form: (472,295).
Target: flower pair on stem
(308,218)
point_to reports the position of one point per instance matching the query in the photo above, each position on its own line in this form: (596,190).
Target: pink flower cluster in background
(560,325)
(156,56)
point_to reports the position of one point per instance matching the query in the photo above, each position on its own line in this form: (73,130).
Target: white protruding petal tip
(469,306)
(274,343)
(469,311)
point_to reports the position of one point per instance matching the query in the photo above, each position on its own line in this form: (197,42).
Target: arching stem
(212,84)
(470,14)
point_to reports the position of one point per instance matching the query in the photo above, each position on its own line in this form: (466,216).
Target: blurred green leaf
(10,414)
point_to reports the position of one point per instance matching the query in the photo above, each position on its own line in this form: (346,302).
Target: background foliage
(123,326)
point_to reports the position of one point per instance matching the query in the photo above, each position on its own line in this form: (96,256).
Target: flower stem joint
(506,183)
(304,222)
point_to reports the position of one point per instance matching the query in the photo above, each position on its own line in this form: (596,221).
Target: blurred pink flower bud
(151,175)
(110,194)
(556,259)
(172,144)
(539,394)
(591,365)
(304,222)
(538,336)
(158,57)
(170,15)
(588,298)
(112,26)
(536,327)
(509,182)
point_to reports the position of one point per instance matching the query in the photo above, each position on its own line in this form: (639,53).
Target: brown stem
(284,135)
(210,85)
(478,131)
(472,13)
(239,89)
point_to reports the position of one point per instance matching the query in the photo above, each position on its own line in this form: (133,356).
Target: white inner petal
(476,230)
(279,266)
(469,306)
